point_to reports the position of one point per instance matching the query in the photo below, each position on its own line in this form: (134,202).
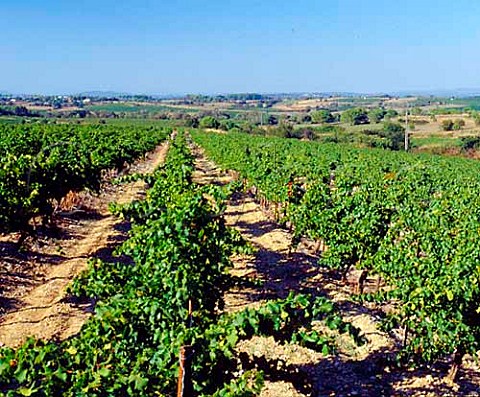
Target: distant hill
(458,92)
(104,94)
(124,95)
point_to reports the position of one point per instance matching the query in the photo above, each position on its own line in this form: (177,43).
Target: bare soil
(293,371)
(426,127)
(33,282)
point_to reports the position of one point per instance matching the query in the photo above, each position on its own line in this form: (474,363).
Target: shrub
(447,125)
(470,142)
(458,124)
(209,122)
(355,116)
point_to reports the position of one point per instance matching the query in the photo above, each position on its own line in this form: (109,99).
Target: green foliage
(179,249)
(284,130)
(272,120)
(42,163)
(390,114)
(394,135)
(391,137)
(447,110)
(470,142)
(376,115)
(18,111)
(191,121)
(447,125)
(227,125)
(249,384)
(413,219)
(355,116)
(416,111)
(209,122)
(476,118)
(458,124)
(322,116)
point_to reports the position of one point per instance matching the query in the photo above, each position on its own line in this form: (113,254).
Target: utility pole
(406,128)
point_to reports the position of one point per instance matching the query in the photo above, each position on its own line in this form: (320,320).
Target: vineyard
(239,199)
(407,224)
(411,221)
(168,297)
(41,164)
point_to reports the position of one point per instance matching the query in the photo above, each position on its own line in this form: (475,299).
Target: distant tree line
(20,111)
(357,116)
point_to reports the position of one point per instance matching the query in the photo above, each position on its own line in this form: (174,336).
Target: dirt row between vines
(292,370)
(33,282)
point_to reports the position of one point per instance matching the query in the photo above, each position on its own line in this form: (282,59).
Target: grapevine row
(42,163)
(412,219)
(179,249)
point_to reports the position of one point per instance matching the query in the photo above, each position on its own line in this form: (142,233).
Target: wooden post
(456,364)
(190,311)
(406,130)
(405,335)
(184,386)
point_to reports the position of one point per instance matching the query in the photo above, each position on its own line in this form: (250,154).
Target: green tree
(390,114)
(227,125)
(307,118)
(377,115)
(272,120)
(355,116)
(470,142)
(447,125)
(394,136)
(286,130)
(209,122)
(191,121)
(322,116)
(476,118)
(417,111)
(458,124)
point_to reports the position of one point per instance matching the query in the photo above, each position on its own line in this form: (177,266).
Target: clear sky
(219,46)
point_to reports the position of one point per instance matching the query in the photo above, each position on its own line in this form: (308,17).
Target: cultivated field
(293,268)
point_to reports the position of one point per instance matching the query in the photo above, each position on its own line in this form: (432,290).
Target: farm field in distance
(255,113)
(287,243)
(239,199)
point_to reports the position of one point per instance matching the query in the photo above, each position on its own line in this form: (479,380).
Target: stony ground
(292,370)
(33,281)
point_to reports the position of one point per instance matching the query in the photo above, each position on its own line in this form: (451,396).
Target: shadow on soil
(80,215)
(18,269)
(328,377)
(256,230)
(375,375)
(8,304)
(107,254)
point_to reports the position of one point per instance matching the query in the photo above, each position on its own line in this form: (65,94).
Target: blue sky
(189,46)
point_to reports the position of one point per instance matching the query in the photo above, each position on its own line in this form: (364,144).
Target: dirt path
(354,371)
(38,307)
